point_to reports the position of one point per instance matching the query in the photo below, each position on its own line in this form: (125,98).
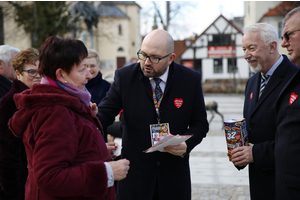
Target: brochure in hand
(168,140)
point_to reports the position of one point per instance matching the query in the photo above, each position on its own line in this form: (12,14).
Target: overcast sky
(193,17)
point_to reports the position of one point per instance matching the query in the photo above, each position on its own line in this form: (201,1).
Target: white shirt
(163,83)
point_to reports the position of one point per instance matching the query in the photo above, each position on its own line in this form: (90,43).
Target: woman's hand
(120,168)
(94,108)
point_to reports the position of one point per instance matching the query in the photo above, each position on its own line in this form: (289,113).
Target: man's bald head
(159,38)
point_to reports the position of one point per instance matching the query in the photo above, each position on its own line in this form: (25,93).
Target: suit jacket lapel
(146,83)
(255,90)
(170,78)
(275,80)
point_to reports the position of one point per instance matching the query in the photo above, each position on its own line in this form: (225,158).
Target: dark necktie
(263,80)
(157,90)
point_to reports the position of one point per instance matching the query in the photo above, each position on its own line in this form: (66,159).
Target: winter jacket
(98,88)
(64,146)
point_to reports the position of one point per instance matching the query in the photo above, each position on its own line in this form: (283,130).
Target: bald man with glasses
(154,91)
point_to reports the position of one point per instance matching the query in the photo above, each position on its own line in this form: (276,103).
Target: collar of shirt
(164,79)
(274,67)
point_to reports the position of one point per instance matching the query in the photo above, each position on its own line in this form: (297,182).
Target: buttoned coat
(132,92)
(261,128)
(287,142)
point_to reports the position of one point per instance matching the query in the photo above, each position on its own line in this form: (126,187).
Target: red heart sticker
(293,98)
(178,102)
(237,137)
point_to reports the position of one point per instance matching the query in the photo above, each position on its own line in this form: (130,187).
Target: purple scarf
(83,96)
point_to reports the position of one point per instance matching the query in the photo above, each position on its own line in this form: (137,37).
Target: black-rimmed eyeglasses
(31,72)
(286,36)
(153,59)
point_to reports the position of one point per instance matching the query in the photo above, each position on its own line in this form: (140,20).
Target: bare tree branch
(159,15)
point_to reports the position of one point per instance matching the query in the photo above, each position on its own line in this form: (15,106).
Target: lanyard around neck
(157,104)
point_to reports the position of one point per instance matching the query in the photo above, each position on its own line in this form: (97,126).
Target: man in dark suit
(7,72)
(272,72)
(156,175)
(287,142)
(291,36)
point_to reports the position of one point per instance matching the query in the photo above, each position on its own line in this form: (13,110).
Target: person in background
(13,162)
(7,73)
(97,86)
(272,72)
(287,141)
(176,100)
(291,36)
(63,138)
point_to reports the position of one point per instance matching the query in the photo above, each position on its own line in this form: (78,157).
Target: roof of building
(105,10)
(109,9)
(180,46)
(231,22)
(282,9)
(122,3)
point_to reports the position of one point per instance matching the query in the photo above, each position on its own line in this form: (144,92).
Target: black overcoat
(261,127)
(132,92)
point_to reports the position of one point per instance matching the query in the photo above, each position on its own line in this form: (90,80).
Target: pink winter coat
(65,149)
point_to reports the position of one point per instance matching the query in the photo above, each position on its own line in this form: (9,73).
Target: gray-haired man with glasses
(156,92)
(291,36)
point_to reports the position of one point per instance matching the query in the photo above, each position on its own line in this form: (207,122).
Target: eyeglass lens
(144,58)
(31,72)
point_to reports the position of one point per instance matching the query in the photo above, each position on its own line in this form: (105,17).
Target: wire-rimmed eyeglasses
(153,59)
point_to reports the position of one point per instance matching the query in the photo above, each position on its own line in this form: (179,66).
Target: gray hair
(291,13)
(267,32)
(93,54)
(5,53)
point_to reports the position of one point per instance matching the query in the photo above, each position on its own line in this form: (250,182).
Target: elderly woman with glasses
(63,138)
(13,163)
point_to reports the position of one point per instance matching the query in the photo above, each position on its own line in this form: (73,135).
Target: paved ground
(213,176)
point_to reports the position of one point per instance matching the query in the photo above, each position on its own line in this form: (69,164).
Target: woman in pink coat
(66,153)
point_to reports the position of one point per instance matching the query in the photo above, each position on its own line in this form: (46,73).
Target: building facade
(217,53)
(116,38)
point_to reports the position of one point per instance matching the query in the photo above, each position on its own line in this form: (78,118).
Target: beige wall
(133,11)
(254,10)
(13,35)
(109,41)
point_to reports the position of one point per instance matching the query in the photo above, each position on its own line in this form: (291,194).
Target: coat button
(158,163)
